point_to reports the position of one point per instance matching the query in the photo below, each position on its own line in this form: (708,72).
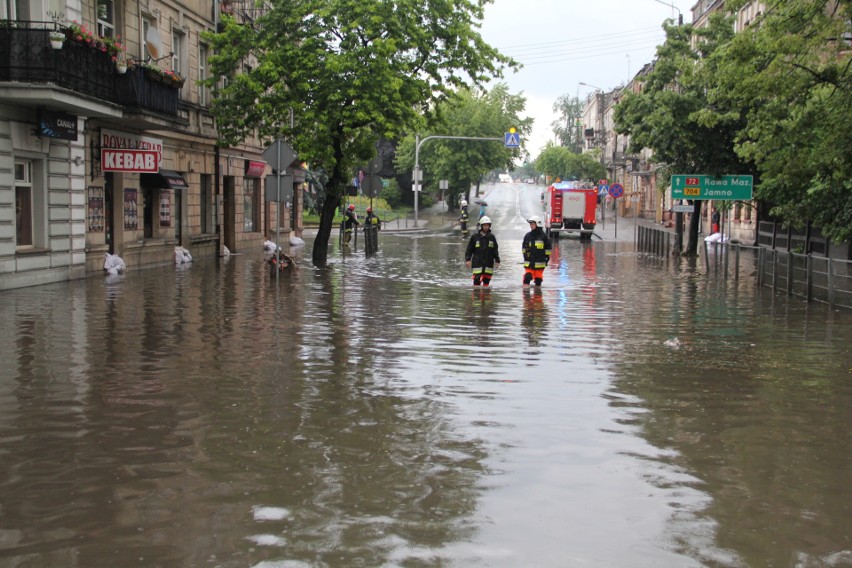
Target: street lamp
(679,13)
(588,85)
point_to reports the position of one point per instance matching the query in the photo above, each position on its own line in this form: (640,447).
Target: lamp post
(600,142)
(588,85)
(679,13)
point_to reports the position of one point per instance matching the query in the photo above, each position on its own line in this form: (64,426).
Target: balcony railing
(26,56)
(136,88)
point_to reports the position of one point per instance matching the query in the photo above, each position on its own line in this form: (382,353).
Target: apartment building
(107,144)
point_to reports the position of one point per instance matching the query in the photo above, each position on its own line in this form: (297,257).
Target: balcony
(143,91)
(27,58)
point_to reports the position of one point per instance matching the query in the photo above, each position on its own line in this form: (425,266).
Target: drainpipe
(217,198)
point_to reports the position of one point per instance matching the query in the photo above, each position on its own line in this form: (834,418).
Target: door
(177,215)
(109,214)
(228,210)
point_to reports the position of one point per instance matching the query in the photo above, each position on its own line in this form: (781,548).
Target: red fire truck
(570,208)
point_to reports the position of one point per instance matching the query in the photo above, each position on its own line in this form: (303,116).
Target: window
(202,74)
(251,204)
(178,53)
(147,24)
(106,18)
(24,203)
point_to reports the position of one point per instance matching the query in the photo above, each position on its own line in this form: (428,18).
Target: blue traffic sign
(616,190)
(512,140)
(603,189)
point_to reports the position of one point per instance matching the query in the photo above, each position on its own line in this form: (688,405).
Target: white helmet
(535,219)
(484,219)
(464,203)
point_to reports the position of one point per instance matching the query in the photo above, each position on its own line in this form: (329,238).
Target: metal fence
(810,277)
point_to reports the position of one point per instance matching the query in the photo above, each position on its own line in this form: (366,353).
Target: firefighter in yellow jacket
(536,248)
(482,255)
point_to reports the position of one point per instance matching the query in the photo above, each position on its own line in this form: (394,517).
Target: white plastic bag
(716,238)
(114,264)
(296,242)
(182,255)
(269,246)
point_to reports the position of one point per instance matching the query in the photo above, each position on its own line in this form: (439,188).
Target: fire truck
(570,208)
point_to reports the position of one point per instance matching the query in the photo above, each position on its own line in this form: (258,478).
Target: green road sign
(736,188)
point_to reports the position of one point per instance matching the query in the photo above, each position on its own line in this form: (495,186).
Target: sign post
(418,173)
(616,190)
(279,155)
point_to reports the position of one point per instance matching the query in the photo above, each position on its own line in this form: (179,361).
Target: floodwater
(382,412)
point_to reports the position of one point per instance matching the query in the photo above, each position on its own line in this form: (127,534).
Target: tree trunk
(694,220)
(319,255)
(334,191)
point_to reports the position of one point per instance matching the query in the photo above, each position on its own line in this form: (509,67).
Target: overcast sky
(562,43)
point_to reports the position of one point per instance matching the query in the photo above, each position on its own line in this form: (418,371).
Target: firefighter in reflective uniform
(372,219)
(349,223)
(536,249)
(482,255)
(463,219)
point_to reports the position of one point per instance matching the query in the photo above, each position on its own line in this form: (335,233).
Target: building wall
(58,249)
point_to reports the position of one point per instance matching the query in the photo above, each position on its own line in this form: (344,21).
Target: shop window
(106,18)
(251,205)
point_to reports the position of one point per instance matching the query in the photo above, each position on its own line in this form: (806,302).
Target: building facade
(107,144)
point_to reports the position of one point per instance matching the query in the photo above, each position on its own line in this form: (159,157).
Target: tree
(350,71)
(667,115)
(469,113)
(791,74)
(561,162)
(566,127)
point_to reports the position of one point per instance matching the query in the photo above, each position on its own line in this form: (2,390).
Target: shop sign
(57,125)
(113,139)
(129,160)
(255,169)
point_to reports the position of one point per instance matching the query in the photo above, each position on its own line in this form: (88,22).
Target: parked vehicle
(570,209)
(505,178)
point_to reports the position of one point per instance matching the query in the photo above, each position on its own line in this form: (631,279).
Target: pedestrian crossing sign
(512,140)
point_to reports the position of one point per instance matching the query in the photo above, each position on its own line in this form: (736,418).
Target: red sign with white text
(120,160)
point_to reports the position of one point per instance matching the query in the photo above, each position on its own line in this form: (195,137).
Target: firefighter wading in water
(482,256)
(536,249)
(463,219)
(350,221)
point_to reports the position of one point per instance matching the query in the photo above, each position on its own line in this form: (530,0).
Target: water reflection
(383,412)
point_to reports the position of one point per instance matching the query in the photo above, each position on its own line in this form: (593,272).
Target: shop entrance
(228,207)
(109,214)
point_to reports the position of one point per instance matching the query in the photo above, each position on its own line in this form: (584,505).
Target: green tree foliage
(567,128)
(350,71)
(561,162)
(791,74)
(469,113)
(668,117)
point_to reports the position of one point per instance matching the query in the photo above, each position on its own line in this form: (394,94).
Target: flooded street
(382,412)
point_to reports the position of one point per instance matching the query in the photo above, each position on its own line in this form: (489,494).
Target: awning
(164,179)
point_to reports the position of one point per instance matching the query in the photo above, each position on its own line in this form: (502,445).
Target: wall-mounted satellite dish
(153,43)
